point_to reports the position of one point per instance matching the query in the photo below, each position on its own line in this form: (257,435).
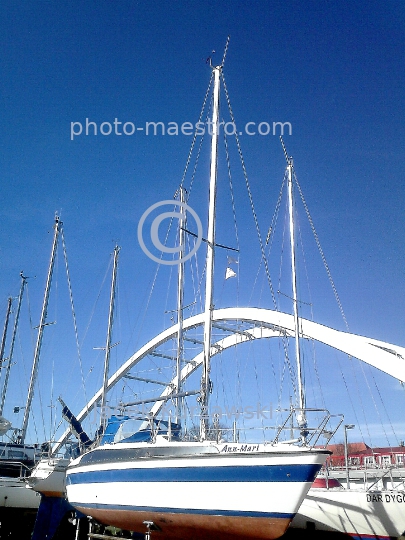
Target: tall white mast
(180,301)
(108,345)
(209,286)
(301,390)
(42,324)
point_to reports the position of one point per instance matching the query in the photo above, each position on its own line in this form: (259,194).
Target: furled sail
(75,425)
(5,425)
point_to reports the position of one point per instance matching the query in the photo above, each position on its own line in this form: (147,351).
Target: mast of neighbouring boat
(180,302)
(4,336)
(10,356)
(108,345)
(301,391)
(42,324)
(209,307)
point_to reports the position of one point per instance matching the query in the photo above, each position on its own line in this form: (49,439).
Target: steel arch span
(265,323)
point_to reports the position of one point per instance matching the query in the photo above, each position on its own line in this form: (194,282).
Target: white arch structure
(265,324)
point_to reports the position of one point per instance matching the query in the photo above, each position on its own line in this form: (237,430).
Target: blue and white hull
(194,490)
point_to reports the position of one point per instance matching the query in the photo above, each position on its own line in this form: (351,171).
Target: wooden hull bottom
(56,494)
(192,526)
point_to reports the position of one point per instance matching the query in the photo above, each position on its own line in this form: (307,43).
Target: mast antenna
(209,59)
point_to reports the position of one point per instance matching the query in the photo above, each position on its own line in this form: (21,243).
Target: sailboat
(206,488)
(155,481)
(17,458)
(48,478)
(360,511)
(361,501)
(373,505)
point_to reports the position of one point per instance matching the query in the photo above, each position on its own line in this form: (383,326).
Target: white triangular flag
(229,273)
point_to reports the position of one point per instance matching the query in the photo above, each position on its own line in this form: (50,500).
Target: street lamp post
(346,427)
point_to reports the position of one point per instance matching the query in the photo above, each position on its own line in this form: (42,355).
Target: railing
(308,435)
(20,469)
(372,467)
(304,434)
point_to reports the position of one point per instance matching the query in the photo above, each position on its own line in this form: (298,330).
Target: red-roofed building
(362,456)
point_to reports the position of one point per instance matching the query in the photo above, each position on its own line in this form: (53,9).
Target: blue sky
(334,71)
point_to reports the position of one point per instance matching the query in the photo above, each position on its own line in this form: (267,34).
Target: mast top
(223,56)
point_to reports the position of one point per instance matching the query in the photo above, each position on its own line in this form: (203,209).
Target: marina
(222,484)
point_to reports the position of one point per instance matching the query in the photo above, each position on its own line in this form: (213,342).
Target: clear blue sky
(335,71)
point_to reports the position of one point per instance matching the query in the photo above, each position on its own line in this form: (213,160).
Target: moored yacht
(199,488)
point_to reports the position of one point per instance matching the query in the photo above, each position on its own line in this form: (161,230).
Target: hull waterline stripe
(255,473)
(190,511)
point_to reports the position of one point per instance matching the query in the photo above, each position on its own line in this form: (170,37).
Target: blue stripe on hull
(252,473)
(187,511)
(356,536)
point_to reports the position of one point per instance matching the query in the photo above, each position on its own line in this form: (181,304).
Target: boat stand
(150,526)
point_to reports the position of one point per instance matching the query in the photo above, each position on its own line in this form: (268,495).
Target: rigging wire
(329,274)
(225,50)
(383,404)
(73,314)
(232,193)
(310,303)
(96,301)
(270,234)
(117,318)
(249,193)
(196,283)
(269,242)
(24,364)
(291,366)
(338,301)
(377,410)
(263,254)
(195,135)
(52,370)
(197,158)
